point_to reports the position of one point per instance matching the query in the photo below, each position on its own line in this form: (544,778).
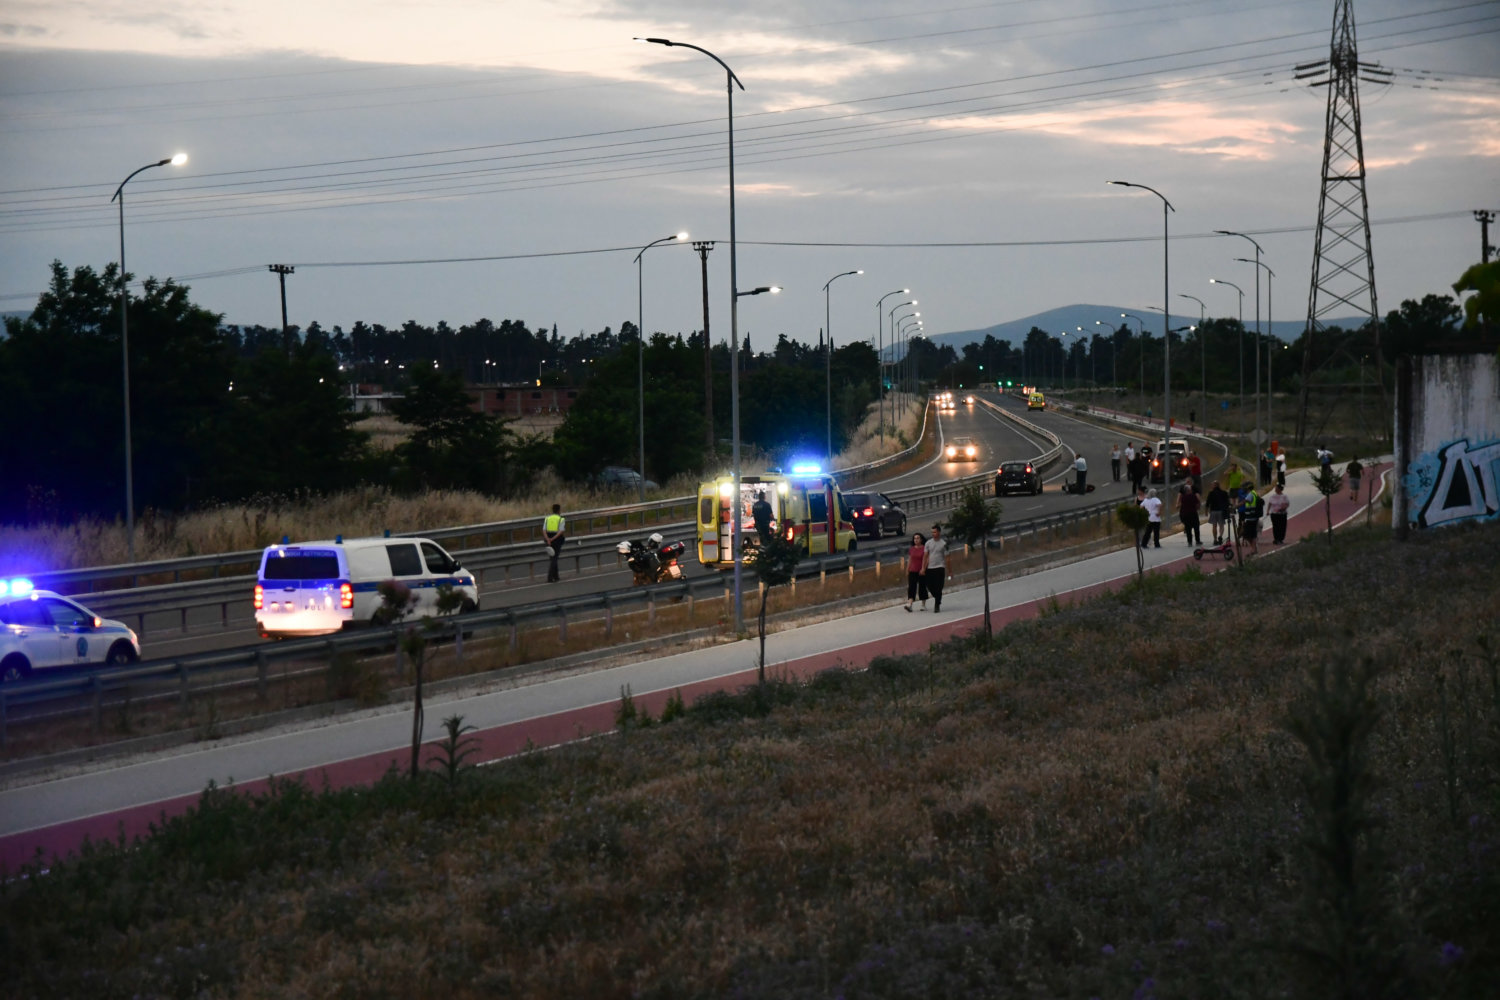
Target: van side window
(706,510)
(404,560)
(436,559)
(817,508)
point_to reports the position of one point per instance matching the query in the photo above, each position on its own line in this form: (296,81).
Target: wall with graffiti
(1448,439)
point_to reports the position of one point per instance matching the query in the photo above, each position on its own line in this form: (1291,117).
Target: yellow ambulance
(800,504)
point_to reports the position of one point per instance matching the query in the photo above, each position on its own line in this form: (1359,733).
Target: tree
(454,446)
(1328,483)
(972,522)
(774,564)
(396,603)
(1133,516)
(64,360)
(1420,327)
(1483,308)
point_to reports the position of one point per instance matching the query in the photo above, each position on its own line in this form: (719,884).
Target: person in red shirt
(916,571)
(1195,469)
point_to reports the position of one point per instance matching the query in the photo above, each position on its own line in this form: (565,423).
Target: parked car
(1017,477)
(962,449)
(875,514)
(1177,459)
(41,629)
(615,476)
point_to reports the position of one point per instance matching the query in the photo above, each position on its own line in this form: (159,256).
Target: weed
(454,749)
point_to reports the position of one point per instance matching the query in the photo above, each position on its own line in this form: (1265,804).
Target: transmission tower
(1343,271)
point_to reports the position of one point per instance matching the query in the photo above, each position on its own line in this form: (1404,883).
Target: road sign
(1259,436)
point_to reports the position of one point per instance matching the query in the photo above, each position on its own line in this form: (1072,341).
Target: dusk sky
(380,147)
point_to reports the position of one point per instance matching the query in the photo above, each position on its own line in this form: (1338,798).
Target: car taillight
(789,532)
(868,512)
(1029,470)
(260,597)
(346,596)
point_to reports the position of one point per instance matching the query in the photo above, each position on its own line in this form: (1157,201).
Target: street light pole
(1166,318)
(890,345)
(828,359)
(1114,368)
(1220,281)
(1202,348)
(879,345)
(1271,325)
(1227,232)
(1140,330)
(640,350)
(175,160)
(730,82)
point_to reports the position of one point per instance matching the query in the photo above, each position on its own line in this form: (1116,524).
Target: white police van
(41,629)
(316,588)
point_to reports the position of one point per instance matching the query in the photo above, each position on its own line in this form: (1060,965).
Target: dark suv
(1017,477)
(1177,459)
(874,514)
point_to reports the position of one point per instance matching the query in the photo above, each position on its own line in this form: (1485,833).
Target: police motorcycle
(652,561)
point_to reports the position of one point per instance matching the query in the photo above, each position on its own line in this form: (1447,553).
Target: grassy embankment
(240,527)
(1147,794)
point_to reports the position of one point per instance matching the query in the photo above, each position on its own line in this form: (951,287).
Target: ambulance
(800,505)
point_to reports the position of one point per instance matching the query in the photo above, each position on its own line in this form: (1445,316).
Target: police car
(40,629)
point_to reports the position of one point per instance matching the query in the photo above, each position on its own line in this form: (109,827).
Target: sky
(451,160)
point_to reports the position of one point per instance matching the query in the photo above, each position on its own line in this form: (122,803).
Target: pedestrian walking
(1250,510)
(1187,508)
(1152,503)
(1081,468)
(1114,461)
(1352,472)
(1218,511)
(1325,457)
(1129,453)
(916,568)
(554,533)
(936,566)
(1195,470)
(1139,465)
(1277,505)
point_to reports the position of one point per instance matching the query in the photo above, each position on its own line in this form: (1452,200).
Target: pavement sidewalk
(53,817)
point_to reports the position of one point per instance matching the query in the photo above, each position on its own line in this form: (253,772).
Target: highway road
(998,439)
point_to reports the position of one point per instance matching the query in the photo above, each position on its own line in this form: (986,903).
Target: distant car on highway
(962,449)
(875,514)
(1017,477)
(1036,401)
(40,629)
(969,400)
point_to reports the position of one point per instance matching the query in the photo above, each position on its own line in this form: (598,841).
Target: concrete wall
(1447,440)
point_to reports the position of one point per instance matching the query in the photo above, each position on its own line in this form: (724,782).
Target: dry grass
(1103,802)
(369,510)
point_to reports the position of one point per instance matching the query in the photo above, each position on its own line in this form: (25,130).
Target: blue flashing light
(16,588)
(338,539)
(806,469)
(285,539)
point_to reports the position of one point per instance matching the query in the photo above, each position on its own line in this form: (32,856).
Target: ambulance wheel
(120,654)
(14,668)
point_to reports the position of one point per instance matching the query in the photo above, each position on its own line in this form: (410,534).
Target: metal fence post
(98,705)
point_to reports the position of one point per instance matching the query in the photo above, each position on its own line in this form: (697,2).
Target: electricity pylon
(1343,271)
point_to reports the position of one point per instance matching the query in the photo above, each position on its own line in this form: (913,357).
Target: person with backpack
(1251,508)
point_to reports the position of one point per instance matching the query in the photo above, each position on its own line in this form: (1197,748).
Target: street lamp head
(655,41)
(774,289)
(682,235)
(859,272)
(178,159)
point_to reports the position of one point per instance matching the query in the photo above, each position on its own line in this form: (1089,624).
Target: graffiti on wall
(1455,483)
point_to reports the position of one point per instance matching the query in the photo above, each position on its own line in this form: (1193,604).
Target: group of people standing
(927,568)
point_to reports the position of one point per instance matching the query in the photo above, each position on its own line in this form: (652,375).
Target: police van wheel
(467,606)
(14,668)
(120,654)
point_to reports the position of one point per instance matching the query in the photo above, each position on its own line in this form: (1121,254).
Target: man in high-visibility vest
(554,532)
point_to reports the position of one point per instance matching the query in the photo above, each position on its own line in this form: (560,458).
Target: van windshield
(302,566)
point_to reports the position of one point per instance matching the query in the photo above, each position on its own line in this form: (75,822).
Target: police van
(316,588)
(41,629)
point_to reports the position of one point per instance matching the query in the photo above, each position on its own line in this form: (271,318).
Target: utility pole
(1485,217)
(703,247)
(283,270)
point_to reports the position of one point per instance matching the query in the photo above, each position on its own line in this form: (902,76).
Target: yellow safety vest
(554,523)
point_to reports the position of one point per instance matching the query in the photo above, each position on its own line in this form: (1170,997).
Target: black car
(874,514)
(1177,459)
(1017,477)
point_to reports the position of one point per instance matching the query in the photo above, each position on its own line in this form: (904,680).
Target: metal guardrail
(95,688)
